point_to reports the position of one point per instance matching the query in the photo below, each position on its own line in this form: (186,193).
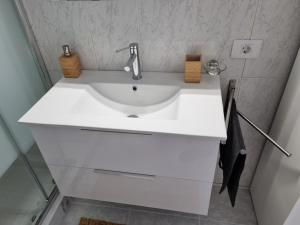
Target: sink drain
(133,116)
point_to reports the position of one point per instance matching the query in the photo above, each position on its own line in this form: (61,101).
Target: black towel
(232,155)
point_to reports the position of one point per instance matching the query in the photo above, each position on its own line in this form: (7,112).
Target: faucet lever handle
(122,49)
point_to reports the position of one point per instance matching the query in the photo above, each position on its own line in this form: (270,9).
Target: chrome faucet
(133,63)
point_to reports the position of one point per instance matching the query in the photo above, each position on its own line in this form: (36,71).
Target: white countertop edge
(221,137)
(209,85)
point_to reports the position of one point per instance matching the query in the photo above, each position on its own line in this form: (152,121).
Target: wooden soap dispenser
(70,63)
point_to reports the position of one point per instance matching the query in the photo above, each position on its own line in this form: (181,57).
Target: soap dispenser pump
(70,63)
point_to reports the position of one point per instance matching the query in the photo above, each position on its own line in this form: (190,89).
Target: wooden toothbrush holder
(192,71)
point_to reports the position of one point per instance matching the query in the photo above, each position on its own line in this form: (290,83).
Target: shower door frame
(34,47)
(46,80)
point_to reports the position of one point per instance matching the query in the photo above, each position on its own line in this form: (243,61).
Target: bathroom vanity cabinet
(147,161)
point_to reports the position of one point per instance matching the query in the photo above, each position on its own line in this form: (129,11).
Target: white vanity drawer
(157,192)
(176,156)
(164,155)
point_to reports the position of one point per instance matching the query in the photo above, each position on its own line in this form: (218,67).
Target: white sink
(160,103)
(136,95)
(129,100)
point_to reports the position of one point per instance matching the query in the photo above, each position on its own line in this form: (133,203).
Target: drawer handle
(116,132)
(127,174)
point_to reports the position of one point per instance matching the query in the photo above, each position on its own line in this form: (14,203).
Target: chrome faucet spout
(133,65)
(129,64)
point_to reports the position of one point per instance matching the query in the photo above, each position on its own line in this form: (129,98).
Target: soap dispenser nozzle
(67,51)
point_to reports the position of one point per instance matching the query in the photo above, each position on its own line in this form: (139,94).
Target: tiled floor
(220,213)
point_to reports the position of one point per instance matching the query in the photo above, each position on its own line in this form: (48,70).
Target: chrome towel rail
(231,90)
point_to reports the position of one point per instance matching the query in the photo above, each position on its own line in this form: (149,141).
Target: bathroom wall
(167,30)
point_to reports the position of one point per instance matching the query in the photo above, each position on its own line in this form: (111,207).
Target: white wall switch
(246,49)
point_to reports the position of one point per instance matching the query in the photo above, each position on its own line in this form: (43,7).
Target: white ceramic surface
(141,95)
(162,102)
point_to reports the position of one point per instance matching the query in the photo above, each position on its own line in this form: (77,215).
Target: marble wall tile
(91,26)
(203,20)
(52,26)
(166,31)
(123,30)
(170,29)
(258,99)
(277,23)
(165,56)
(167,20)
(93,29)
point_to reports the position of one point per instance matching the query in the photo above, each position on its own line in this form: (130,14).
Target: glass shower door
(21,199)
(25,181)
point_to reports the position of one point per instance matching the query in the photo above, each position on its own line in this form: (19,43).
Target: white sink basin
(136,95)
(130,100)
(159,103)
